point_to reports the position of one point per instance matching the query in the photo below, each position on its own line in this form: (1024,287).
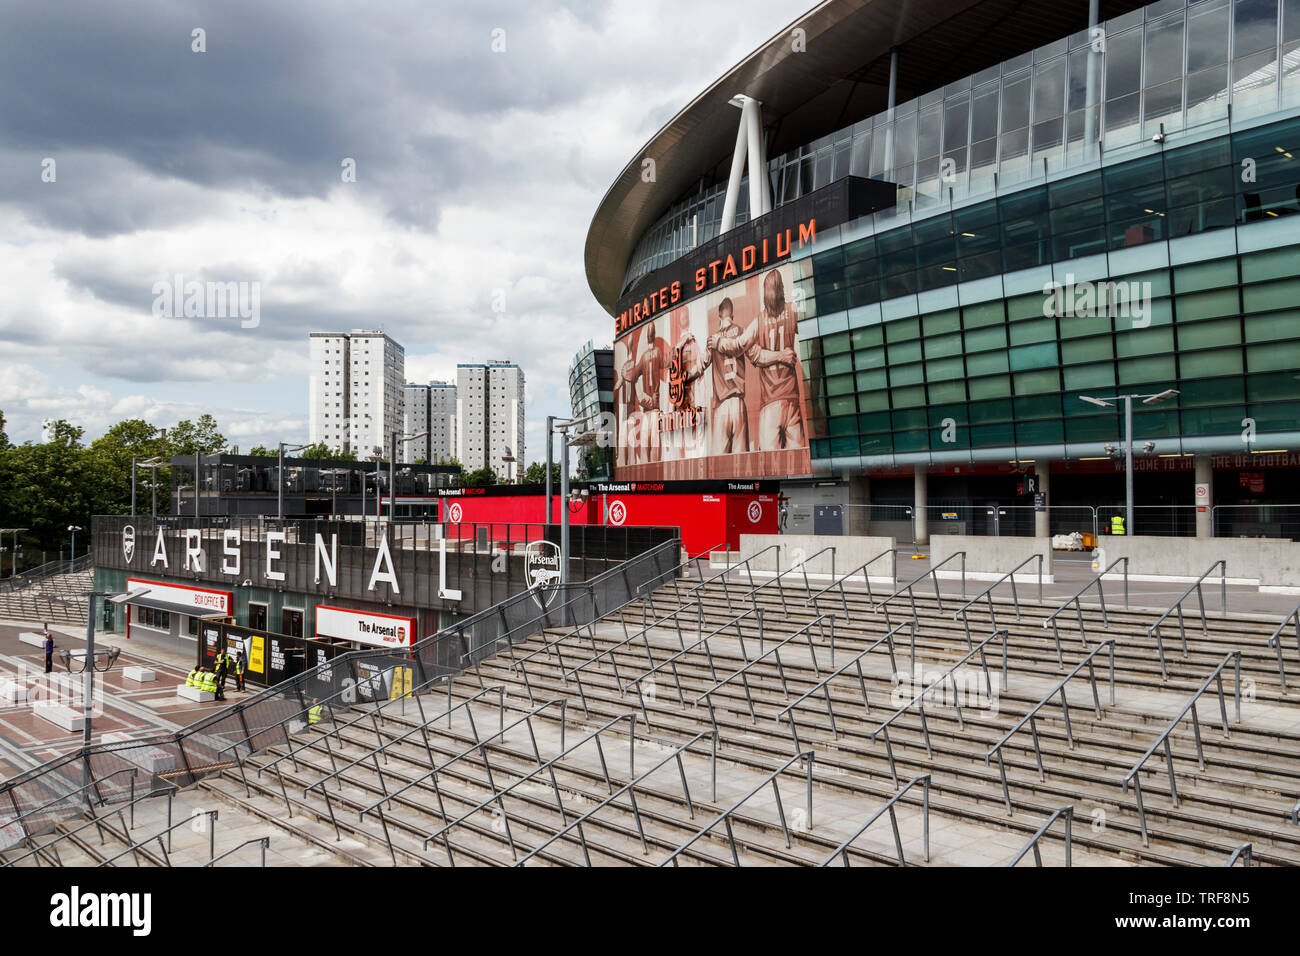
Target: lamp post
(508,459)
(4,531)
(279,477)
(392,466)
(90,664)
(1107,402)
(550,428)
(582,438)
(72,558)
(153,464)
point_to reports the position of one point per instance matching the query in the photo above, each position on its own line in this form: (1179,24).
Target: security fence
(94,776)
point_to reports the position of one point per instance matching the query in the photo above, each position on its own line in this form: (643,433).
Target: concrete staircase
(57,599)
(509,794)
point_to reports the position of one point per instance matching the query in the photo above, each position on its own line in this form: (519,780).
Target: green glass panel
(840,447)
(871,380)
(1152,369)
(940,322)
(904,352)
(906,374)
(984,363)
(1278,417)
(1200,276)
(1273,386)
(873,401)
(869,358)
(942,345)
(1271,264)
(1220,391)
(1205,335)
(1074,326)
(1271,295)
(874,422)
(990,338)
(903,329)
(1207,364)
(991,386)
(1087,350)
(912,418)
(1026,306)
(1219,420)
(840,385)
(944,370)
(1100,375)
(881,444)
(1040,433)
(1276,325)
(1040,330)
(844,405)
(1029,383)
(1033,356)
(843,425)
(839,363)
(1144,342)
(985,436)
(1277,355)
(833,344)
(1206,305)
(982,413)
(867,337)
(982,314)
(911,441)
(908,397)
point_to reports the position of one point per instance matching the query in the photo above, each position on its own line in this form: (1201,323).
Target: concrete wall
(850,551)
(989,558)
(1268,562)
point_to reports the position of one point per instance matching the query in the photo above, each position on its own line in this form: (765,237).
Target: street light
(153,464)
(4,531)
(392,465)
(334,487)
(74,528)
(90,664)
(279,477)
(509,459)
(1107,402)
(582,438)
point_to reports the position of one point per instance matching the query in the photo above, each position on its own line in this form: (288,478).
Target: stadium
(909,267)
(984,216)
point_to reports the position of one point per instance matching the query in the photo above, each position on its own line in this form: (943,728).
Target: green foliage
(535,474)
(479,478)
(201,437)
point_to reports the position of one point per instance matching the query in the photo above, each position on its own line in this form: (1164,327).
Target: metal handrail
(946,675)
(212,836)
(802,566)
(630,787)
(627,640)
(1245,853)
(374,752)
(546,646)
(725,815)
(866,578)
(1033,841)
(823,685)
(1276,641)
(707,553)
(133,771)
(775,649)
(842,850)
(1154,629)
(1065,709)
(169,789)
(724,574)
(265,841)
(549,765)
(1132,775)
(988,593)
(1078,607)
(672,661)
(910,585)
(1295,813)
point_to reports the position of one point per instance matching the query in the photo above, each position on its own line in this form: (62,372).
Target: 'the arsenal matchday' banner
(381,630)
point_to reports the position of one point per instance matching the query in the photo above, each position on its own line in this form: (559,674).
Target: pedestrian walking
(49,648)
(239,670)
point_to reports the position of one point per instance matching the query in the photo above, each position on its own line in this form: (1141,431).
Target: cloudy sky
(128,159)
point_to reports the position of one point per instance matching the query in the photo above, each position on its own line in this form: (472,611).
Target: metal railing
(1177,606)
(1276,642)
(1078,607)
(1133,777)
(167,832)
(47,570)
(802,566)
(630,789)
(842,850)
(84,788)
(1245,853)
(671,662)
(725,816)
(1031,717)
(549,766)
(956,696)
(705,555)
(264,841)
(909,587)
(823,685)
(1066,813)
(775,652)
(866,580)
(98,822)
(988,593)
(749,571)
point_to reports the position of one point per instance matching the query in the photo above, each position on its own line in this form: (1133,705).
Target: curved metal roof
(842,76)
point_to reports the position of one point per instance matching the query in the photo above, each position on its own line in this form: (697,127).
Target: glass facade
(591,392)
(1178,68)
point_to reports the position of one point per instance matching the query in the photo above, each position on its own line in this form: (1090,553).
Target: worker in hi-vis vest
(192,678)
(315,713)
(1117,524)
(207,681)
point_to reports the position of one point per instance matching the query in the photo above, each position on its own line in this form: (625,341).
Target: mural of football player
(729,418)
(686,366)
(651,365)
(768,344)
(629,413)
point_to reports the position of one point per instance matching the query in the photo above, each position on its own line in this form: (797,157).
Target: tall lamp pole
(279,477)
(14,566)
(72,558)
(582,438)
(1107,402)
(550,428)
(392,470)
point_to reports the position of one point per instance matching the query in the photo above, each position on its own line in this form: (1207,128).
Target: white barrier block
(12,692)
(141,675)
(70,720)
(193,693)
(150,758)
(36,640)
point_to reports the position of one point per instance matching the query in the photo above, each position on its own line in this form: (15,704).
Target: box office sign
(201,599)
(379,630)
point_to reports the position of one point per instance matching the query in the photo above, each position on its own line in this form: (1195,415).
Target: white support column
(750,117)
(920,504)
(733,181)
(1043,519)
(1204,482)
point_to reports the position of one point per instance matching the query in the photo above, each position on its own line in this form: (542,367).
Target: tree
(108,465)
(4,439)
(196,438)
(479,478)
(535,474)
(47,487)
